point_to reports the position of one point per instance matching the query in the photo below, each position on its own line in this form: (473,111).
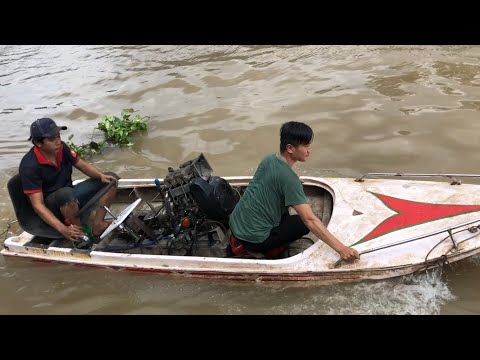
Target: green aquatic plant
(117,131)
(86,150)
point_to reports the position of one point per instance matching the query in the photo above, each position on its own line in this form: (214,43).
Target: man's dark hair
(295,133)
(37,140)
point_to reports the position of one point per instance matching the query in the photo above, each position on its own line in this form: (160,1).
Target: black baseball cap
(44,127)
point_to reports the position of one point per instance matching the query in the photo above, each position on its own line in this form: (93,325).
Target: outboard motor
(215,197)
(193,219)
(189,216)
(192,186)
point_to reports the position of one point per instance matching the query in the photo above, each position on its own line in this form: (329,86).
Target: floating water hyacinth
(117,131)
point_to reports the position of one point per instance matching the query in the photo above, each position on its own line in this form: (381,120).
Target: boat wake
(420,294)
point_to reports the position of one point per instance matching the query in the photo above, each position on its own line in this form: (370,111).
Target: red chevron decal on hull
(411,213)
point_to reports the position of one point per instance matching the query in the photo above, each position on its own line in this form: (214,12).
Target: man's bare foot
(99,228)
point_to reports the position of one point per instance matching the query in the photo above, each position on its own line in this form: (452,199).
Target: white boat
(399,226)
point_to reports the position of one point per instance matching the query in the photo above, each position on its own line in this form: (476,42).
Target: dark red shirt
(40,175)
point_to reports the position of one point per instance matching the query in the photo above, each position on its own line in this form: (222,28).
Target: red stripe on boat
(411,213)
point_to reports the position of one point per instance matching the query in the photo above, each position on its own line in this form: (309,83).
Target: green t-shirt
(272,190)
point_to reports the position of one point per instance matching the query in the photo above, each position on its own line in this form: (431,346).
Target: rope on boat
(443,259)
(429,264)
(9,226)
(472,229)
(432,264)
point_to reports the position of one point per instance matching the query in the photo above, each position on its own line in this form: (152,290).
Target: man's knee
(300,225)
(305,230)
(64,196)
(58,200)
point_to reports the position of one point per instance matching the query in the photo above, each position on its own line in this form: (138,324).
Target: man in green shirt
(261,220)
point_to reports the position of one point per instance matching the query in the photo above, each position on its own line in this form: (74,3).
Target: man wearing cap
(46,174)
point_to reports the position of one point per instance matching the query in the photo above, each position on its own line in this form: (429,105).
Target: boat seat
(27,218)
(239,250)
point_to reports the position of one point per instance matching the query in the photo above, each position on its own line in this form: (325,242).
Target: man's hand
(348,254)
(90,170)
(107,178)
(72,232)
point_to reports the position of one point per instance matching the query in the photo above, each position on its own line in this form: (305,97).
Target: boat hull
(361,218)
